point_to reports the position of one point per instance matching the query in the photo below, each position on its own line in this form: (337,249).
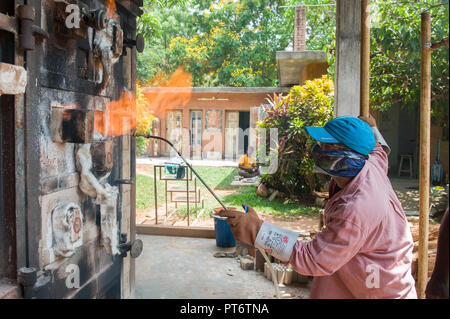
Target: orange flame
(120,117)
(111,8)
(66,107)
(162,97)
(179,79)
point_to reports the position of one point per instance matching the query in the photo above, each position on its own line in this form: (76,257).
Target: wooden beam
(424,160)
(365,58)
(442,43)
(163,230)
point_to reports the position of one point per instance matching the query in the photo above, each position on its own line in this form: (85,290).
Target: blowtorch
(263,253)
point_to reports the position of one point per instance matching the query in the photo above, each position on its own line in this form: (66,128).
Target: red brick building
(201,121)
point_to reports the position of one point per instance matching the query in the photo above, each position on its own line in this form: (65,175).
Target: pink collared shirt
(365,250)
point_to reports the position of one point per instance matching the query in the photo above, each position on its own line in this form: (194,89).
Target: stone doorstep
(9,291)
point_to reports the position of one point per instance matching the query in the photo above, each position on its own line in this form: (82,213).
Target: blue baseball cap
(348,130)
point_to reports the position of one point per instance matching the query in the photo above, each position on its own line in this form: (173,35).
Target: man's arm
(332,248)
(378,137)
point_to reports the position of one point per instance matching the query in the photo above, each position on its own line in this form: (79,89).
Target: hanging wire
(430,6)
(378,2)
(310,5)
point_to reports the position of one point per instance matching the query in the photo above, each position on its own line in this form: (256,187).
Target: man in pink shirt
(365,250)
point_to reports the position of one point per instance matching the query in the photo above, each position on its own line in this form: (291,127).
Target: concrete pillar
(348,48)
(300,29)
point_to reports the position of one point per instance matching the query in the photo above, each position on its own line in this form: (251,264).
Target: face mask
(338,162)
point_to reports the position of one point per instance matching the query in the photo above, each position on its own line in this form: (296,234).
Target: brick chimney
(300,29)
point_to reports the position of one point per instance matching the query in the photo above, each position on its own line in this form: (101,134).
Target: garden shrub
(308,105)
(144,120)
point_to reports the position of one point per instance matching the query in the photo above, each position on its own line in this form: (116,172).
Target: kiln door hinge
(28,30)
(35,284)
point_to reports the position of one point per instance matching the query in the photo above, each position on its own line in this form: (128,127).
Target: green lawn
(215,177)
(248,196)
(218,178)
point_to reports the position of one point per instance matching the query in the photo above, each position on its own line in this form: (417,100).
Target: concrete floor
(184,268)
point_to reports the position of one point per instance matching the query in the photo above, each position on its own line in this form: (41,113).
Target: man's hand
(244,226)
(369,120)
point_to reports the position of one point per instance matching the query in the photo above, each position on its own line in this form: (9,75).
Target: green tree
(233,43)
(226,42)
(161,21)
(222,42)
(395,50)
(395,55)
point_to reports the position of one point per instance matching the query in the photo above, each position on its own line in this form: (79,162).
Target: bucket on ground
(224,236)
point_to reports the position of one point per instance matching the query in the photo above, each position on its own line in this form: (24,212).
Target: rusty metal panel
(72,125)
(20,202)
(8,246)
(67,71)
(7,179)
(8,23)
(32,164)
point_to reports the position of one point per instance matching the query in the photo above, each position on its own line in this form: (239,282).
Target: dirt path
(407,191)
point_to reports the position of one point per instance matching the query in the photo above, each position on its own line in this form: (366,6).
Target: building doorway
(237,124)
(195,128)
(231,134)
(244,124)
(174,131)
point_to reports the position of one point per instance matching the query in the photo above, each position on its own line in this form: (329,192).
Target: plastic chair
(410,159)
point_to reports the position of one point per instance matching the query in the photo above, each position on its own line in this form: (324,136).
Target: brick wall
(171,101)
